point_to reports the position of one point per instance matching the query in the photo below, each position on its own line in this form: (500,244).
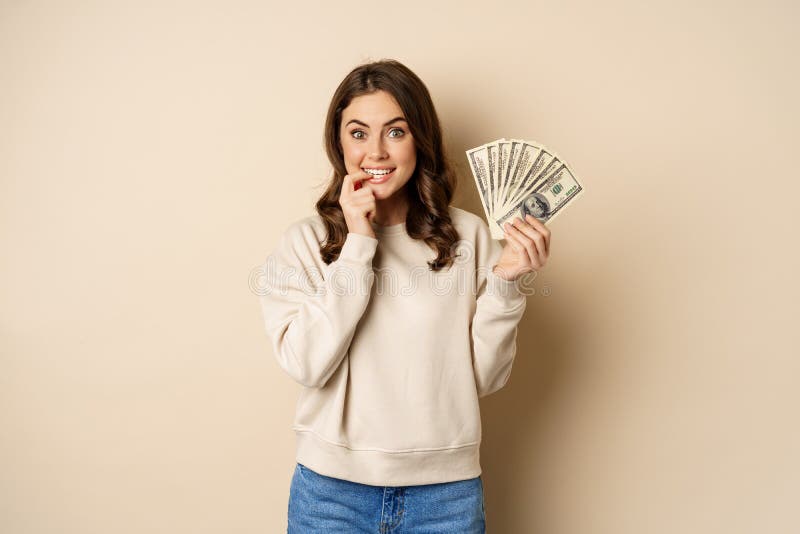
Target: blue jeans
(323,504)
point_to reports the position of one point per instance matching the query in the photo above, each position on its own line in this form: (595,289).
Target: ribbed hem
(506,292)
(381,468)
(358,248)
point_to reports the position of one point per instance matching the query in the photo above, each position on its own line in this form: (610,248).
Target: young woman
(396,312)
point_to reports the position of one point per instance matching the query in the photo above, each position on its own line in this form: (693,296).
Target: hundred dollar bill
(479,164)
(493,155)
(496,172)
(534,160)
(516,177)
(503,153)
(546,199)
(509,173)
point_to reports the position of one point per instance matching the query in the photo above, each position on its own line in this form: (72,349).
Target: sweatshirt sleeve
(499,308)
(311,316)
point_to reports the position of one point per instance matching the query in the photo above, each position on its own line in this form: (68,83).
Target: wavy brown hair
(431,186)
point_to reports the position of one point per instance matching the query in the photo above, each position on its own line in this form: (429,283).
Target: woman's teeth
(377,172)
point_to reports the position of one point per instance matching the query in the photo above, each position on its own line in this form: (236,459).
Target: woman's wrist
(500,272)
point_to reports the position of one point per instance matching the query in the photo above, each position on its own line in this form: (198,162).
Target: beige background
(152,152)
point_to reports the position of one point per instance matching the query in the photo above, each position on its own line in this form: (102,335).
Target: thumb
(347,184)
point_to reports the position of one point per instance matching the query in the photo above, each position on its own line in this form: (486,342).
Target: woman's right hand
(358,205)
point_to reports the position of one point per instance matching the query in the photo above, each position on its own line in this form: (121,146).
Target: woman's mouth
(378,175)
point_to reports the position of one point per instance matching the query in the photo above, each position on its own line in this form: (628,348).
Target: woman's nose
(376,150)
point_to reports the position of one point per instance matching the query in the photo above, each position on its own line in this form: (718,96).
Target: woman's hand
(358,203)
(527,248)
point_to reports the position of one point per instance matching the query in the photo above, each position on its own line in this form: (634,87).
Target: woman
(396,312)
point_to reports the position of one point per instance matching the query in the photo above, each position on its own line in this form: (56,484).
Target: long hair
(429,189)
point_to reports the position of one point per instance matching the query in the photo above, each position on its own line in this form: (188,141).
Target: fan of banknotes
(517,177)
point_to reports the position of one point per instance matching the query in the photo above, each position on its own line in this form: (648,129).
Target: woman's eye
(398,130)
(355,133)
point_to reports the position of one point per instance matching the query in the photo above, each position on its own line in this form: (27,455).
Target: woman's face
(375,137)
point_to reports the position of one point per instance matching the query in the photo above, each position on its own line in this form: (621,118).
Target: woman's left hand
(527,248)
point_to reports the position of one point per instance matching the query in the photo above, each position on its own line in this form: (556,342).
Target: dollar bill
(546,199)
(503,155)
(516,177)
(479,164)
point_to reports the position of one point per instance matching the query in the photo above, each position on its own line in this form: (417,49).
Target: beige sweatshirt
(392,356)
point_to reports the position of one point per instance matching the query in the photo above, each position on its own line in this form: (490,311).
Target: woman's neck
(392,210)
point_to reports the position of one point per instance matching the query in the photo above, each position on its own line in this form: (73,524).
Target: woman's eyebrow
(365,125)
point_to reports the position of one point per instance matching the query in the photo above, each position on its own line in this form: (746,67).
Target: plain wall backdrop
(151,153)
